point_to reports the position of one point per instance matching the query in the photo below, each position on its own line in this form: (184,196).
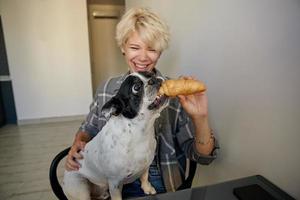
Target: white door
(106,57)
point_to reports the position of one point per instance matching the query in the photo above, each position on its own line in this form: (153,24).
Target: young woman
(182,129)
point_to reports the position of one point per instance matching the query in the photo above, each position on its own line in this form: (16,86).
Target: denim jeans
(134,189)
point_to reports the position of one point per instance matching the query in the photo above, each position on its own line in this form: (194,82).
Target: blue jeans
(134,189)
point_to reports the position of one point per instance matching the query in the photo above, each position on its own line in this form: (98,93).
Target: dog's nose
(151,81)
(159,80)
(154,81)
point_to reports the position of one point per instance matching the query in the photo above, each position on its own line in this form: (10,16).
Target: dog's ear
(113,107)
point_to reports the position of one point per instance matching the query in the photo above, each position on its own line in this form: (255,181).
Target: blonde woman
(182,129)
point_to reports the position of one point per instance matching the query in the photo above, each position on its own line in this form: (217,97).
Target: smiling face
(139,55)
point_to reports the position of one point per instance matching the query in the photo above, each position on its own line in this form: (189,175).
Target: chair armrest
(53,174)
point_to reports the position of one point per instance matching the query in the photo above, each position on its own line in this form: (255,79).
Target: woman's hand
(196,104)
(74,154)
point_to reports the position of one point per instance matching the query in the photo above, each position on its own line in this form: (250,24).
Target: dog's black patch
(128,99)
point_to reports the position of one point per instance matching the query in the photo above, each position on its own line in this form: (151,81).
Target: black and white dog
(124,149)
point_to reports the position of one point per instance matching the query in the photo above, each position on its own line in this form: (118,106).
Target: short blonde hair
(152,30)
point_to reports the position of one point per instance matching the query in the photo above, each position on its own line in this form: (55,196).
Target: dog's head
(137,92)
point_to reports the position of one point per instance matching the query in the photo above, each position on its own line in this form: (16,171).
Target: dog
(125,147)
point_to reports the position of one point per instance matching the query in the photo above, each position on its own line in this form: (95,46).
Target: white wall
(48,55)
(248,53)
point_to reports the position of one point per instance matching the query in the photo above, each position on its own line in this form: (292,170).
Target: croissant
(173,88)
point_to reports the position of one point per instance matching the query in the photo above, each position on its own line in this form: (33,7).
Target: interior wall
(48,56)
(247,52)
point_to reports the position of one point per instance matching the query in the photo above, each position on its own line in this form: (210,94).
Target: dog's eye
(136,88)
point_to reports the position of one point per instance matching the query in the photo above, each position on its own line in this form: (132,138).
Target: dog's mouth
(158,101)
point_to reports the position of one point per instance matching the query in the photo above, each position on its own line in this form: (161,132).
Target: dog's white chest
(122,149)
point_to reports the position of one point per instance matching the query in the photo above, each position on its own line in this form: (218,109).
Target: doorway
(7,103)
(106,57)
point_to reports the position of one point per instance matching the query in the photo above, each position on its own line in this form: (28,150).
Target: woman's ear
(123,51)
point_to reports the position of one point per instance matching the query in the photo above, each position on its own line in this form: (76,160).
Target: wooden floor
(25,156)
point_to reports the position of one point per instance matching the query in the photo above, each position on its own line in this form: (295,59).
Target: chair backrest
(189,180)
(57,189)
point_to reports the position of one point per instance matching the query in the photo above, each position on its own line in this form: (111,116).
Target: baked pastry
(176,87)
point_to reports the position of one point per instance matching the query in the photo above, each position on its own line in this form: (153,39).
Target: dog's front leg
(145,184)
(115,188)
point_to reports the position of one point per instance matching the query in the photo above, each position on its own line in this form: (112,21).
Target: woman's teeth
(140,66)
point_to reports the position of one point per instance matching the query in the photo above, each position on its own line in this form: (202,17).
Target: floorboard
(26,152)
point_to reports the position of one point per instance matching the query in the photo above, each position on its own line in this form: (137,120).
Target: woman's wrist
(204,138)
(202,130)
(204,142)
(199,118)
(200,121)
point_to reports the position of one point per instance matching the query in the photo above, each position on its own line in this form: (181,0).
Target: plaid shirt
(174,132)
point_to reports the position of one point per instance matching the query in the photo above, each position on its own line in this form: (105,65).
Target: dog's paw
(148,188)
(103,196)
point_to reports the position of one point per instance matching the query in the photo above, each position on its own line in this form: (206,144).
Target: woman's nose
(144,55)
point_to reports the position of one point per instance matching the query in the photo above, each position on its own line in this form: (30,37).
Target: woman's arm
(203,144)
(79,143)
(196,107)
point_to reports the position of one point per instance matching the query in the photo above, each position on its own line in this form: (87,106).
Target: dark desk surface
(221,191)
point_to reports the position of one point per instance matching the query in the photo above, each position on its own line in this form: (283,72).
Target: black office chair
(55,185)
